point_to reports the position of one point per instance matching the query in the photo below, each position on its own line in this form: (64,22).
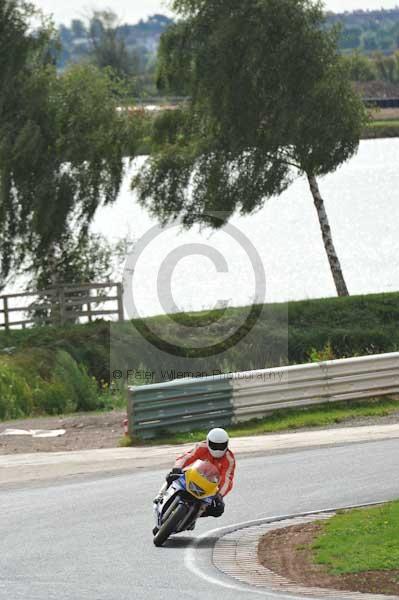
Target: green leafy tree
(84,259)
(370,42)
(360,67)
(13,36)
(76,259)
(351,38)
(62,144)
(387,67)
(78,29)
(21,54)
(108,45)
(385,40)
(270,96)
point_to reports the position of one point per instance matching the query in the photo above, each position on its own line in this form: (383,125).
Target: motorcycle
(186,499)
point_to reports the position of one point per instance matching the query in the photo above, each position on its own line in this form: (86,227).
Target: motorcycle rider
(215,449)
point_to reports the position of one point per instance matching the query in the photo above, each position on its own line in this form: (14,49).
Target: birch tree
(270,98)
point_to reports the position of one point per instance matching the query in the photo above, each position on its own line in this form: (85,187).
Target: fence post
(6,315)
(119,288)
(54,307)
(61,300)
(90,316)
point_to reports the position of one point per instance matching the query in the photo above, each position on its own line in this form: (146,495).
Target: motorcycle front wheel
(170,525)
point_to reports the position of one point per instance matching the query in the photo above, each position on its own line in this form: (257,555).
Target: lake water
(362,201)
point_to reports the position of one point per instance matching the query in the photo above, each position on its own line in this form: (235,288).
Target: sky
(131,11)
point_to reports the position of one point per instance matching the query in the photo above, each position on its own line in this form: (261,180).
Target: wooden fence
(67,303)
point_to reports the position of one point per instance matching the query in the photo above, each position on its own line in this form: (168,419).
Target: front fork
(194,512)
(192,515)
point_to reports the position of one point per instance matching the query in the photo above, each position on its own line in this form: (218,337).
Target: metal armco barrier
(223,400)
(182,405)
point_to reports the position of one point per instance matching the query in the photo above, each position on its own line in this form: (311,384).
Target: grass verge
(381,129)
(380,123)
(284,334)
(287,420)
(50,370)
(360,540)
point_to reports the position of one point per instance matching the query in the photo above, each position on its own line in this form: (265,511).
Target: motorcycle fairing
(202,480)
(177,491)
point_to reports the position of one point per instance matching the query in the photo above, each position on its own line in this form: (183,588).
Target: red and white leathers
(226,465)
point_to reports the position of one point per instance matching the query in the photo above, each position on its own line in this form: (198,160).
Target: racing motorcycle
(186,499)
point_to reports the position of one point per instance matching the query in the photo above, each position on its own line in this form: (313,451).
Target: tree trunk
(333,259)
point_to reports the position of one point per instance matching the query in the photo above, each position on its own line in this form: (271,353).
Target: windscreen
(207,470)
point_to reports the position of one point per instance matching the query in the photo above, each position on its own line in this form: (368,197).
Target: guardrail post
(130,412)
(325,379)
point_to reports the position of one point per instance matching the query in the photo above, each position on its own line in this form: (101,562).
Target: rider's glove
(173,475)
(218,499)
(177,471)
(217,507)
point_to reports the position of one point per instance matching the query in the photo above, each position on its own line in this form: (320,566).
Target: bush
(15,396)
(285,334)
(53,398)
(28,388)
(87,344)
(82,389)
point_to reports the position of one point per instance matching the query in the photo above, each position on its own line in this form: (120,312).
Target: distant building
(379,93)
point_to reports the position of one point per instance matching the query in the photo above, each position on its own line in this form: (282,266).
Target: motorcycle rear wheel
(170,525)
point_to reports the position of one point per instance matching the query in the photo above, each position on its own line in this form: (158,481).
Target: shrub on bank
(15,394)
(63,387)
(52,398)
(58,364)
(81,388)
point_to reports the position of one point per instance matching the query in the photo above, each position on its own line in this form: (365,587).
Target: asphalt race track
(91,539)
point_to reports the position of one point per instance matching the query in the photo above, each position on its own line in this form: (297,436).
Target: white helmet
(218,442)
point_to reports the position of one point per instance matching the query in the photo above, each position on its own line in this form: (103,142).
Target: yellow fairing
(199,486)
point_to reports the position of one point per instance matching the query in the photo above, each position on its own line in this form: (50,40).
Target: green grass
(319,416)
(385,122)
(293,333)
(284,334)
(360,540)
(126,442)
(382,129)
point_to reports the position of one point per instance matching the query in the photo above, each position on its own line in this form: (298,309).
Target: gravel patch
(83,432)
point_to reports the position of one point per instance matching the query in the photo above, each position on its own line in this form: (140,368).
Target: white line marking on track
(191,563)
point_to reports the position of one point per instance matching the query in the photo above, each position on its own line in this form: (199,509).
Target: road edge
(20,469)
(235,555)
